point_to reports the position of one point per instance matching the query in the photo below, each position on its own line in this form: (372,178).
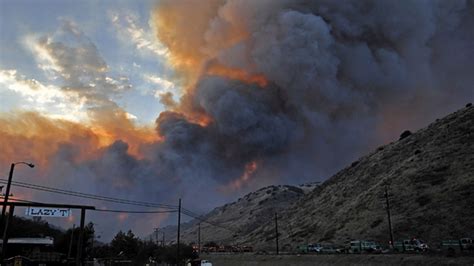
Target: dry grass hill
(430,176)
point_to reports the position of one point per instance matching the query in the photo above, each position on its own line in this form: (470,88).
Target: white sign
(48,212)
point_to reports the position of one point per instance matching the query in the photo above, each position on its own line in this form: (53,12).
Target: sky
(116,35)
(206,101)
(119,30)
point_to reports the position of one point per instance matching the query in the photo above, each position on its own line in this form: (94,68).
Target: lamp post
(7,192)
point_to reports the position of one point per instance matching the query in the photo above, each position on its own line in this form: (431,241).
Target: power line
(100,210)
(198,217)
(17,199)
(89,196)
(130,211)
(173,208)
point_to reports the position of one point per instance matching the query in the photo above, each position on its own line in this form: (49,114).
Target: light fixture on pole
(7,192)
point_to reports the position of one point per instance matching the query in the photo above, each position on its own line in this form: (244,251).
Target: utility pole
(199,238)
(70,243)
(5,232)
(179,228)
(7,192)
(156,235)
(276,232)
(79,260)
(389,217)
(92,244)
(163,241)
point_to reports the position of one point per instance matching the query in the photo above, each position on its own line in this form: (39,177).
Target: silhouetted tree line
(127,246)
(124,246)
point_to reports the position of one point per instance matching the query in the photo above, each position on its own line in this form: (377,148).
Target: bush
(405,134)
(376,223)
(423,200)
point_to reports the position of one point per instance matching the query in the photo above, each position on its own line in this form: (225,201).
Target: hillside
(242,217)
(430,176)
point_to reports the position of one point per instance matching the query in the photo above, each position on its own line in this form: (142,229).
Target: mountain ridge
(428,174)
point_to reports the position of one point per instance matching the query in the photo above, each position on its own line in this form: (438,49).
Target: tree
(63,241)
(405,134)
(126,245)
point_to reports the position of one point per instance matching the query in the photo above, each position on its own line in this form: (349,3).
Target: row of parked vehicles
(462,245)
(223,248)
(413,245)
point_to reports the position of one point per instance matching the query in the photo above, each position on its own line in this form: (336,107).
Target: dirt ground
(355,260)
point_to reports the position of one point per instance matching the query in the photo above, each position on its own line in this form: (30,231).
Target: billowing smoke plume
(301,87)
(275,92)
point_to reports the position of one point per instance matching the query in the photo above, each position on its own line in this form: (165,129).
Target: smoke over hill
(299,87)
(428,176)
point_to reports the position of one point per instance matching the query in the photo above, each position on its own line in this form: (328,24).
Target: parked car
(467,243)
(315,248)
(359,246)
(302,249)
(452,247)
(410,245)
(247,249)
(332,249)
(199,262)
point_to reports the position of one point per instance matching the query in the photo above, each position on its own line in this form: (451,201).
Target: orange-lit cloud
(238,74)
(30,135)
(244,179)
(181,26)
(122,217)
(189,29)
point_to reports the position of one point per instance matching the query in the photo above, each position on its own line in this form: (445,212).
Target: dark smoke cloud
(344,77)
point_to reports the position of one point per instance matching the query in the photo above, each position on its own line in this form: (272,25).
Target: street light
(7,192)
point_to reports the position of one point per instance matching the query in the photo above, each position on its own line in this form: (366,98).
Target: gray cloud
(344,78)
(77,61)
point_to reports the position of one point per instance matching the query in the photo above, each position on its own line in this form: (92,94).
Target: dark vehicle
(360,246)
(330,249)
(247,249)
(452,247)
(199,262)
(310,248)
(302,249)
(410,245)
(315,248)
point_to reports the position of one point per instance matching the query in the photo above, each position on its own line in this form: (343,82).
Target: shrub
(405,134)
(328,235)
(423,200)
(376,223)
(295,189)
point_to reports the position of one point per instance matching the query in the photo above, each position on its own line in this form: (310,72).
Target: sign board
(48,212)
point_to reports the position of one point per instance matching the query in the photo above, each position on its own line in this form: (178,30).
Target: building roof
(32,240)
